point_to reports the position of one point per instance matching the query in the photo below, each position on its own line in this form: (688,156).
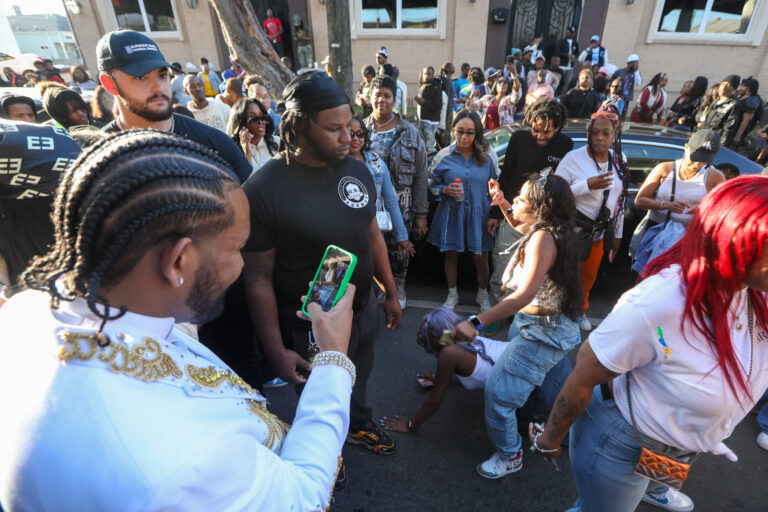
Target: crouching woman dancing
(545,296)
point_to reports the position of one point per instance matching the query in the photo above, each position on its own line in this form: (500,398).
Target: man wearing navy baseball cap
(134,70)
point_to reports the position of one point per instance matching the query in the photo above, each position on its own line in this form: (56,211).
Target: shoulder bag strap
(672,197)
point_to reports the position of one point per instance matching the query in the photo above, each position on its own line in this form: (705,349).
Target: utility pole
(337,14)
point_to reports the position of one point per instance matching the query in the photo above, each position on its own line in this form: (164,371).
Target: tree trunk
(337,14)
(248,44)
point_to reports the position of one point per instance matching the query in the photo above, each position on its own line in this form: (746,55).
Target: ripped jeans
(541,343)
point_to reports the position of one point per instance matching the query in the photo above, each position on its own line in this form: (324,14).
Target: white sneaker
(453,298)
(401,295)
(584,323)
(762,441)
(671,500)
(483,300)
(499,465)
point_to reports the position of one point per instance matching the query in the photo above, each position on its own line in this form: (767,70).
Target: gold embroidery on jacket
(277,428)
(210,377)
(144,361)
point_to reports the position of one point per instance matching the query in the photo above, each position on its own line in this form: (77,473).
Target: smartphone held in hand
(331,279)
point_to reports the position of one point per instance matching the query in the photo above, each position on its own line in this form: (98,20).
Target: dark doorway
(546,18)
(283,13)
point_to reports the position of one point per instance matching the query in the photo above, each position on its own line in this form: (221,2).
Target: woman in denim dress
(458,176)
(543,291)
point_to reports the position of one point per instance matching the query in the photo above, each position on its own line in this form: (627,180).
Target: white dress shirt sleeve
(234,471)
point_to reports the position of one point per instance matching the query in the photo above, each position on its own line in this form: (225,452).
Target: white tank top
(691,190)
(512,277)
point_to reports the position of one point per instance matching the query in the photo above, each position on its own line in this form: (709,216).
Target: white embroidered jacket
(152,421)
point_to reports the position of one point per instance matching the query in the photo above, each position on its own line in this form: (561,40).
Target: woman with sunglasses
(616,96)
(386,199)
(599,179)
(498,108)
(471,362)
(459,177)
(543,292)
(252,129)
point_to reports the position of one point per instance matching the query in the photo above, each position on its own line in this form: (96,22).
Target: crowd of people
(157,240)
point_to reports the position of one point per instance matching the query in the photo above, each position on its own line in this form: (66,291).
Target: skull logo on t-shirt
(352,192)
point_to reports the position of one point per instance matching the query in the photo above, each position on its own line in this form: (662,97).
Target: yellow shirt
(208,87)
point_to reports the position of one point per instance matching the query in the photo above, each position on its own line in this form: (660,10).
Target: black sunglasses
(256,120)
(360,134)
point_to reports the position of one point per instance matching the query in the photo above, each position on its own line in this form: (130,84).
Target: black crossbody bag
(591,228)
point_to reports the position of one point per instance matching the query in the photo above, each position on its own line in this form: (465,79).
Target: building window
(399,14)
(706,16)
(145,15)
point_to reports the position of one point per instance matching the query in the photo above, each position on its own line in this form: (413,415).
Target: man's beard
(205,300)
(143,111)
(320,153)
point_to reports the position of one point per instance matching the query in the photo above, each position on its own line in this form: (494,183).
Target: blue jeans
(543,397)
(428,133)
(762,416)
(602,453)
(541,342)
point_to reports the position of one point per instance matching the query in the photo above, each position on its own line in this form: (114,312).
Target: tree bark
(248,44)
(337,14)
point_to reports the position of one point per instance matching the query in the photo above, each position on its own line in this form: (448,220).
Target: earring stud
(181,281)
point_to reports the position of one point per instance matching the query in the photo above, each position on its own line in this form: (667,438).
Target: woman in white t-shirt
(471,362)
(691,340)
(599,178)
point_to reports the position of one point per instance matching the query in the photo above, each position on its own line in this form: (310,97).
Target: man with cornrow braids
(135,72)
(148,232)
(304,199)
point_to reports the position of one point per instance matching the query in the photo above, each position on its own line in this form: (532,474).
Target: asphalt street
(434,469)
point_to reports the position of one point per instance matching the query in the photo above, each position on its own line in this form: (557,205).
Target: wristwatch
(476,322)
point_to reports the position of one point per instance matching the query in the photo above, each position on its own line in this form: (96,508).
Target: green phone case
(328,295)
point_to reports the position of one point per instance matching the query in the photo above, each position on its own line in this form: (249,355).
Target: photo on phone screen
(332,278)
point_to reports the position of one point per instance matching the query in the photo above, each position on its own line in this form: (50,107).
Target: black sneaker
(373,438)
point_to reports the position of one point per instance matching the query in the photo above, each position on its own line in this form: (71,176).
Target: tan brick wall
(626,31)
(198,37)
(464,41)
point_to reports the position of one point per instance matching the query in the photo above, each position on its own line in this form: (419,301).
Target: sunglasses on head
(256,120)
(543,177)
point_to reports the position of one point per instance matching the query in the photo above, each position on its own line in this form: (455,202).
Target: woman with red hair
(680,360)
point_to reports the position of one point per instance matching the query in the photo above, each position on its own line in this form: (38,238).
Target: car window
(4,57)
(642,158)
(498,140)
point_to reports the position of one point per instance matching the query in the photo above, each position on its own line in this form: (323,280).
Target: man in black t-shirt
(582,101)
(125,55)
(528,151)
(308,197)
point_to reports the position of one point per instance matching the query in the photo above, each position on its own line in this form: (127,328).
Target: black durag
(313,92)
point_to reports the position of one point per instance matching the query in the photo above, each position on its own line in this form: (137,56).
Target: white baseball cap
(633,58)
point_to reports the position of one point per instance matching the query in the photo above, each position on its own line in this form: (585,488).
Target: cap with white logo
(703,146)
(130,52)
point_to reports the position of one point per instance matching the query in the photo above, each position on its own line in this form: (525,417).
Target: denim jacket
(386,199)
(407,163)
